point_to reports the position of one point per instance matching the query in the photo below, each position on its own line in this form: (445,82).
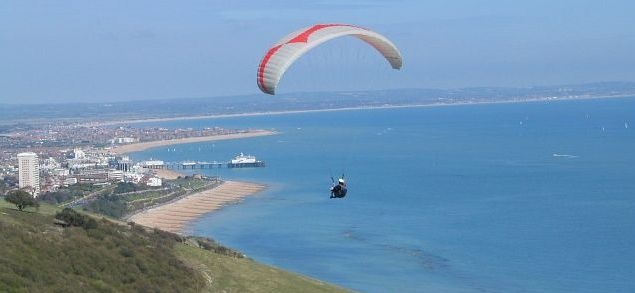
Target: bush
(90,224)
(56,197)
(168,235)
(73,218)
(126,252)
(124,187)
(211,245)
(109,205)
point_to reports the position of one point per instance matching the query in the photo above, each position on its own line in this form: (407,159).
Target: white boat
(243,159)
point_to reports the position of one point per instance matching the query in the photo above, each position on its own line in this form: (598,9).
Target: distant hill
(36,255)
(16,115)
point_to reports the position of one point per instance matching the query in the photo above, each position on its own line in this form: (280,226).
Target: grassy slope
(37,256)
(228,274)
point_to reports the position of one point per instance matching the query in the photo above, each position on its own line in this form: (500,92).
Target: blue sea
(524,197)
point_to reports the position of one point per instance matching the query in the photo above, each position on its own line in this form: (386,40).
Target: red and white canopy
(279,57)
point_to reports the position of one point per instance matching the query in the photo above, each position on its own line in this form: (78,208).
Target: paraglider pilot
(339,190)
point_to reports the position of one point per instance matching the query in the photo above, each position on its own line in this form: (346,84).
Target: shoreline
(177,215)
(386,106)
(142,146)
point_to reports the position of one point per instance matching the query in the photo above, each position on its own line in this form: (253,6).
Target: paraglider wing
(279,57)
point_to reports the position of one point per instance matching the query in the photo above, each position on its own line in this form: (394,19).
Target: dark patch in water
(353,235)
(429,261)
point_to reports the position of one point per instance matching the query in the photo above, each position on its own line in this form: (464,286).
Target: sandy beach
(173,217)
(136,147)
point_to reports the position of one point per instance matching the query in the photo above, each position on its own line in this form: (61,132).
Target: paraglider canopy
(282,55)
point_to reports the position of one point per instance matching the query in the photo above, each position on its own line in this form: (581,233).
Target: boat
(241,160)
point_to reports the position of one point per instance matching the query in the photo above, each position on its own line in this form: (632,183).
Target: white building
(79,154)
(60,172)
(70,181)
(29,172)
(49,164)
(153,164)
(154,181)
(121,140)
(116,175)
(133,177)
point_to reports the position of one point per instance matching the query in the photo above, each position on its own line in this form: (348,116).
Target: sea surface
(525,197)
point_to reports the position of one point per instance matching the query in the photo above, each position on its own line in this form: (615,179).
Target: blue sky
(67,51)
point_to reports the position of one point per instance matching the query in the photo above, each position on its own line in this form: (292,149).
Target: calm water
(445,199)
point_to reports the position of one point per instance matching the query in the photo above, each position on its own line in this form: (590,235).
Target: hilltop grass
(44,209)
(228,274)
(39,256)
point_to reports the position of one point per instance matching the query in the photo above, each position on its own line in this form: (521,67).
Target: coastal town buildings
(48,171)
(120,140)
(79,153)
(57,155)
(154,182)
(29,172)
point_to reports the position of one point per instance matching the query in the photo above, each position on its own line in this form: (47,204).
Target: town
(59,158)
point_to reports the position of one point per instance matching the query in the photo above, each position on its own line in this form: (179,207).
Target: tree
(21,199)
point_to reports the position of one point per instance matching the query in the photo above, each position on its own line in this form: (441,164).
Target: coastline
(175,216)
(141,146)
(385,106)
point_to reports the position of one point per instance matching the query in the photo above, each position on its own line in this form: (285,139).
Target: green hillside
(38,255)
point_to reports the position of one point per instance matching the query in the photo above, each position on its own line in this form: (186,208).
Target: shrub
(21,199)
(124,187)
(73,218)
(109,205)
(90,224)
(211,245)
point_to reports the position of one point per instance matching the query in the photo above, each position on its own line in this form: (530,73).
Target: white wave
(565,156)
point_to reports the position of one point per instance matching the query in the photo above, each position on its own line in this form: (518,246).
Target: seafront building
(29,172)
(122,140)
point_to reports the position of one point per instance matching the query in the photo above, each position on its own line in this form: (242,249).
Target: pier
(195,165)
(190,165)
(240,161)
